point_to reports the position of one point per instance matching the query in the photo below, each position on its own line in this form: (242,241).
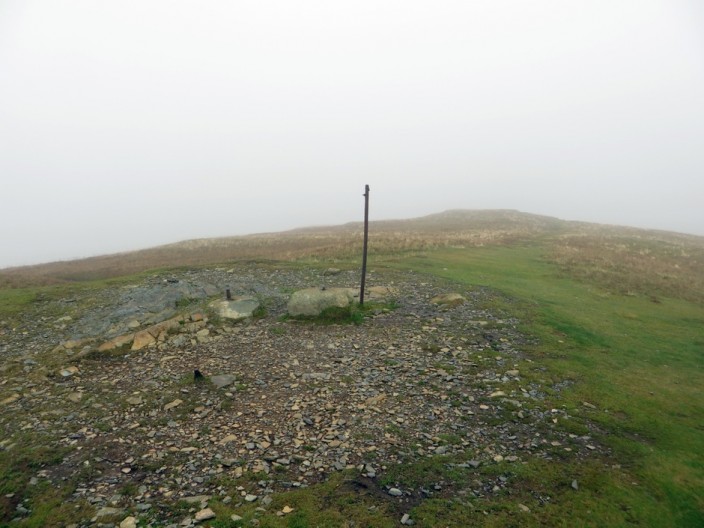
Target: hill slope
(668,263)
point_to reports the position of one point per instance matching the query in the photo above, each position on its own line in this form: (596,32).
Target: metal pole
(366,240)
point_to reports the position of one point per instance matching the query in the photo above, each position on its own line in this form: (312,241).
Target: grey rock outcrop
(236,309)
(312,301)
(223,380)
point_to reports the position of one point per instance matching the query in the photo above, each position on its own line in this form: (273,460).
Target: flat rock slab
(222,380)
(236,309)
(116,342)
(379,293)
(311,302)
(448,300)
(155,333)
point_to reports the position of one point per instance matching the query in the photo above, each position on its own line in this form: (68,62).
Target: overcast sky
(128,124)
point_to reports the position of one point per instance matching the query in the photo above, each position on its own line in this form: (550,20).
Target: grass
(637,361)
(337,502)
(30,454)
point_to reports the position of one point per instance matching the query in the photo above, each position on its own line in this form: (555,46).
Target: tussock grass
(651,265)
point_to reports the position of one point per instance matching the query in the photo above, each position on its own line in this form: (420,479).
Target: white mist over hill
(131,124)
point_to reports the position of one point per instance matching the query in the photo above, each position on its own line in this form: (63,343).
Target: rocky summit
(282,403)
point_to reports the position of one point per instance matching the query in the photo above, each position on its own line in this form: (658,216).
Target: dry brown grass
(630,261)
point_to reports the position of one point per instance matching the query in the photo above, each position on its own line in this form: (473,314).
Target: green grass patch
(638,362)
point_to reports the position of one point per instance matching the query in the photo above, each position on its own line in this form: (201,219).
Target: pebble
(173,404)
(129,522)
(205,514)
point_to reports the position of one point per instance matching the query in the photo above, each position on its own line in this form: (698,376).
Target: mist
(130,124)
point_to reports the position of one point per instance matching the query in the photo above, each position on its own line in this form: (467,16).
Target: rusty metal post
(366,240)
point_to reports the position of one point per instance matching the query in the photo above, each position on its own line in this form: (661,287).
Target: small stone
(250,498)
(448,300)
(406,520)
(11,399)
(235,517)
(523,508)
(497,394)
(498,458)
(441,450)
(205,514)
(75,397)
(197,499)
(129,522)
(68,372)
(575,485)
(107,511)
(395,492)
(222,380)
(173,404)
(286,510)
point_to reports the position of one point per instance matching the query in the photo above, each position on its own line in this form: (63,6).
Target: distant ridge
(454,220)
(452,228)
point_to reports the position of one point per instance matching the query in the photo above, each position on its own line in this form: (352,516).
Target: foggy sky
(128,124)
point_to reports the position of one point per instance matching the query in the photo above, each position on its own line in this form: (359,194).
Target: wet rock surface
(283,404)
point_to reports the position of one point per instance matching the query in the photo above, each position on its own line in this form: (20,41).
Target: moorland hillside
(666,262)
